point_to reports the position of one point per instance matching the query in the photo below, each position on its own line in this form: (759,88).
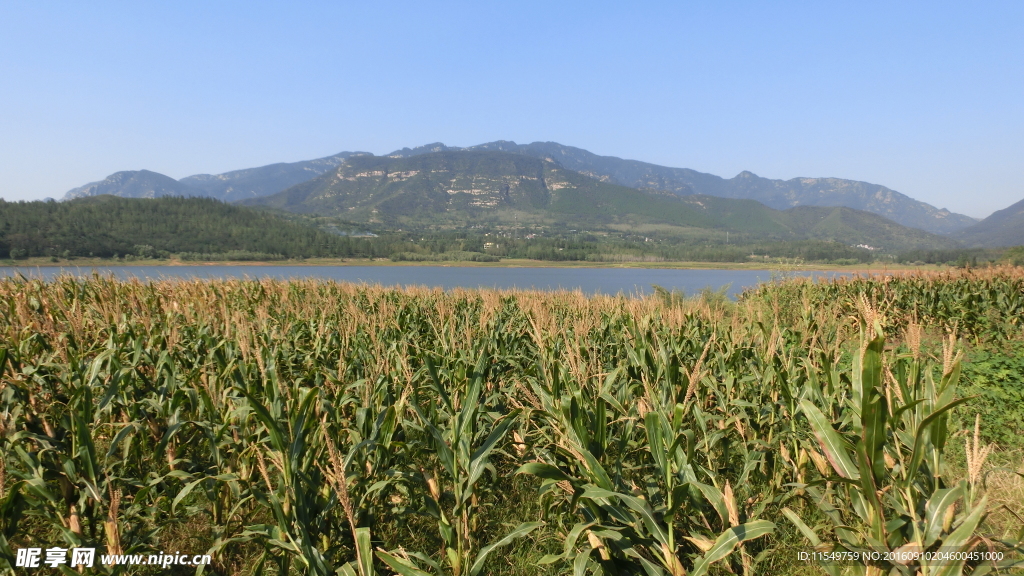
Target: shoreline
(509,263)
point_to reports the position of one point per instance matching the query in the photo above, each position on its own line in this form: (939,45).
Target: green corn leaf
(573,536)
(656,443)
(300,421)
(124,433)
(185,492)
(435,381)
(277,437)
(873,409)
(519,531)
(899,411)
(580,562)
(831,442)
(426,560)
(365,552)
(618,513)
(546,471)
(935,511)
(550,559)
(597,472)
(872,506)
(716,498)
(479,458)
(802,527)
(639,506)
(444,451)
(401,566)
(466,420)
(599,434)
(961,538)
(917,455)
(727,542)
(965,530)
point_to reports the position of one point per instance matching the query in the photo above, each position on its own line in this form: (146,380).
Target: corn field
(319,428)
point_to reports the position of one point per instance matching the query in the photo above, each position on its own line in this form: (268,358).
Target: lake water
(589,280)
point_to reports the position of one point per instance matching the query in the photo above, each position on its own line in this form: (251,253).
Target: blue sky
(924,97)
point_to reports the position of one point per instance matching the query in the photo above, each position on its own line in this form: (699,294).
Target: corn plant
(318,428)
(887,497)
(462,436)
(643,500)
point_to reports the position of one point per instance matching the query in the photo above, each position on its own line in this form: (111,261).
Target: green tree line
(207,229)
(108,226)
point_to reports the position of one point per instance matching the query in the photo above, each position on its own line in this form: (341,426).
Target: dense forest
(107,226)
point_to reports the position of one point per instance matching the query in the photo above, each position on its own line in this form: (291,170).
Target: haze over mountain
(229,186)
(462,188)
(1003,228)
(778,194)
(262,181)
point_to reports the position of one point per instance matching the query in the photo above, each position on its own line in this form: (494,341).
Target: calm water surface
(589,280)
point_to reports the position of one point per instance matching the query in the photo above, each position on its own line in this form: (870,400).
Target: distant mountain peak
(228,186)
(133,184)
(425,149)
(1003,228)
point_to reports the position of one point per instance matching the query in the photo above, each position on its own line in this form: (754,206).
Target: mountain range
(464,188)
(778,194)
(254,183)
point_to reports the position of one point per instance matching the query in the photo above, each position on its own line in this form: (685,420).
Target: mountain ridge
(465,188)
(778,194)
(132,184)
(263,180)
(1002,228)
(227,186)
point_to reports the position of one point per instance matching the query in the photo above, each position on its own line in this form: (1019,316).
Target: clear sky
(924,97)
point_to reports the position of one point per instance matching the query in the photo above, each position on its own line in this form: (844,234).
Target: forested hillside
(105,226)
